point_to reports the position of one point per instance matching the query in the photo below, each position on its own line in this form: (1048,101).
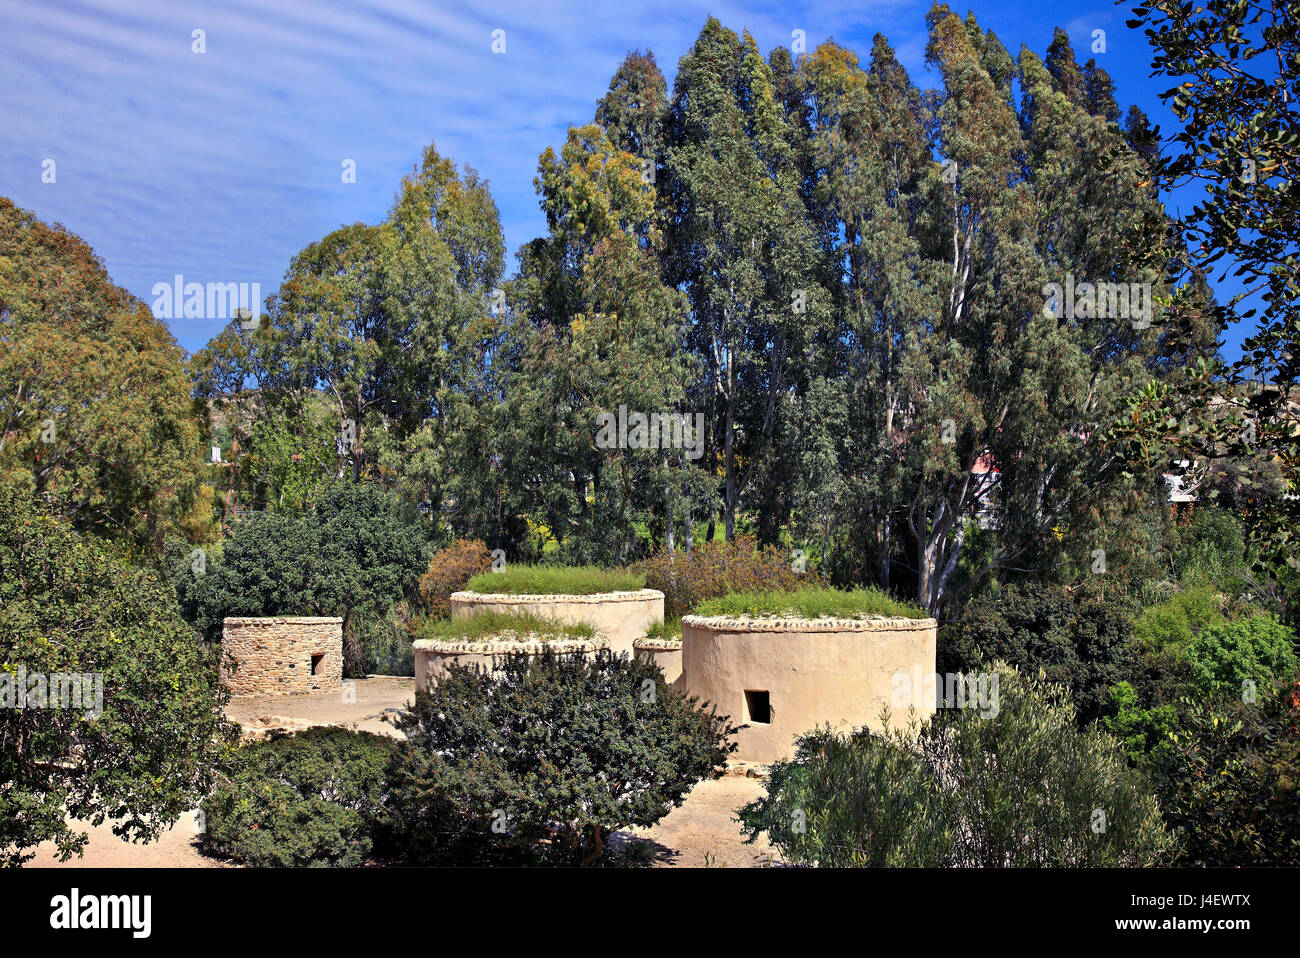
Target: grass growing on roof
(486,626)
(555,580)
(669,629)
(810,604)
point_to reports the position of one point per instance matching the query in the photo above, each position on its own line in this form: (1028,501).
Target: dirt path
(698,834)
(701,833)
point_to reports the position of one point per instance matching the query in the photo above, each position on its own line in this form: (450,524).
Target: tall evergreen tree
(742,243)
(599,335)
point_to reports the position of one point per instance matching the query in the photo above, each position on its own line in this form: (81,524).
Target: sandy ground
(363,706)
(700,833)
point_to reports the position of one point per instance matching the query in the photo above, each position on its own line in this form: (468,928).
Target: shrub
(450,570)
(1143,730)
(556,580)
(542,758)
(487,625)
(1211,550)
(1229,781)
(309,799)
(355,551)
(1075,637)
(810,603)
(380,643)
(1259,650)
(1176,621)
(1025,787)
(69,607)
(714,569)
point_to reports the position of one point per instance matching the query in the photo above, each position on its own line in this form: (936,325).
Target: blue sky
(221,165)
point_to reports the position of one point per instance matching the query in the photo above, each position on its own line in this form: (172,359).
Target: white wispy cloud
(222,165)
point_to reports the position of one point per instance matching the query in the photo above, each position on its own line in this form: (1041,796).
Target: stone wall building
(282,655)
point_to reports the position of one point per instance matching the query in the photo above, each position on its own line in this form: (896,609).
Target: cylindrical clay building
(782,677)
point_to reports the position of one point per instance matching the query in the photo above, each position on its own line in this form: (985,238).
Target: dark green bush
(140,749)
(1228,779)
(1076,637)
(355,551)
(540,760)
(314,798)
(1024,787)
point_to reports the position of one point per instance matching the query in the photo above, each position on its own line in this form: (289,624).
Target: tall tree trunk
(688,530)
(730,438)
(670,512)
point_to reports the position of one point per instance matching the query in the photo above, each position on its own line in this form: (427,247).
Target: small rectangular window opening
(317,663)
(758,707)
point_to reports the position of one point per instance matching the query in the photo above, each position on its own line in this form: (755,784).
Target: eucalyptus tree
(633,110)
(742,244)
(970,390)
(394,323)
(598,334)
(445,293)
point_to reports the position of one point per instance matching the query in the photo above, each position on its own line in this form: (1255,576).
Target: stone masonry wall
(274,655)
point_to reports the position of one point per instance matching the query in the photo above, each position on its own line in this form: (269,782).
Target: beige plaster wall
(665,653)
(433,658)
(273,655)
(621,617)
(816,671)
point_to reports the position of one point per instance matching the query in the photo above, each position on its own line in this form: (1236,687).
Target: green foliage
(667,629)
(1176,622)
(555,751)
(487,625)
(392,323)
(68,606)
(380,643)
(595,331)
(289,458)
(718,568)
(1229,782)
(353,551)
(810,603)
(1144,731)
(1259,650)
(1024,788)
(95,413)
(311,799)
(1211,550)
(938,195)
(1076,637)
(746,247)
(555,580)
(1233,70)
(449,571)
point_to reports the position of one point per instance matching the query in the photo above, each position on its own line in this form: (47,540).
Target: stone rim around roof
(500,644)
(518,598)
(657,645)
(779,623)
(256,619)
